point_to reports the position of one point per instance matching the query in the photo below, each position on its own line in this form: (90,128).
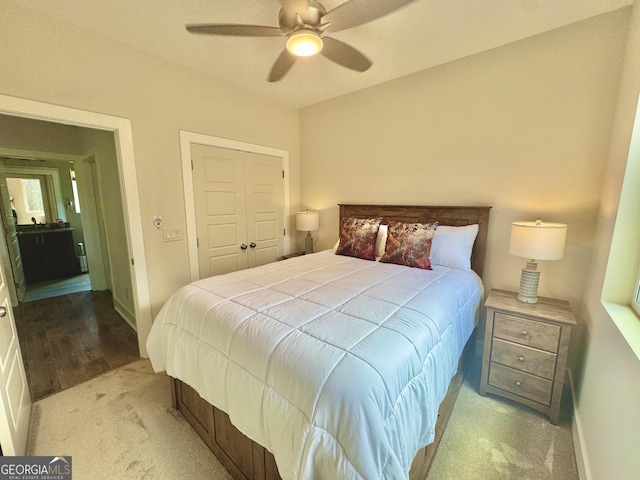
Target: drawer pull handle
(518,383)
(524,333)
(521,358)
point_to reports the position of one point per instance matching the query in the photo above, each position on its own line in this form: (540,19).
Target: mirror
(36,193)
(27,199)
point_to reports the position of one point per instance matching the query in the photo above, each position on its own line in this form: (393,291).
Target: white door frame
(90,221)
(186,139)
(121,128)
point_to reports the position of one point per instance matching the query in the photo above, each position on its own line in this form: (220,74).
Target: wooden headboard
(453,216)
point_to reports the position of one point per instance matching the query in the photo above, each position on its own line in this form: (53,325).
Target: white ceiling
(421,35)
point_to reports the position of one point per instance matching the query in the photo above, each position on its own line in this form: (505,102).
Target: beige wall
(102,147)
(32,135)
(608,379)
(48,61)
(524,128)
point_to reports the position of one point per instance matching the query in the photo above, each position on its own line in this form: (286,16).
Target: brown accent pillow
(358,237)
(409,244)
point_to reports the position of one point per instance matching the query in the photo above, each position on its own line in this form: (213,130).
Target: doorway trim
(121,128)
(186,139)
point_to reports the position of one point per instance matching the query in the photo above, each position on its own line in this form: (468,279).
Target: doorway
(46,225)
(125,177)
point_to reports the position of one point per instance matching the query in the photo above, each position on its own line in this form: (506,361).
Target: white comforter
(334,364)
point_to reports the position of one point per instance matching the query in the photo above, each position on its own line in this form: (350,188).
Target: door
(15,404)
(219,195)
(238,200)
(13,257)
(264,194)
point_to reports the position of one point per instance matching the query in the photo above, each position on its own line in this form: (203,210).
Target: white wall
(45,60)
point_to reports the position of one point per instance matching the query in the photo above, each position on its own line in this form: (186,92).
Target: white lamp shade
(307,221)
(538,240)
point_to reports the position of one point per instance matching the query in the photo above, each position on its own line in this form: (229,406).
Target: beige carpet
(491,438)
(121,426)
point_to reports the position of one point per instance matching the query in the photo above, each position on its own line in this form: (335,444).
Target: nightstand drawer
(526,332)
(527,359)
(520,383)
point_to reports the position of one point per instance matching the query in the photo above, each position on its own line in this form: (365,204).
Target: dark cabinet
(48,255)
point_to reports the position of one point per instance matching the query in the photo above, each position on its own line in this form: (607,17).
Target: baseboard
(125,313)
(582,461)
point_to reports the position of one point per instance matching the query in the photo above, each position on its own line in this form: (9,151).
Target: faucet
(35,225)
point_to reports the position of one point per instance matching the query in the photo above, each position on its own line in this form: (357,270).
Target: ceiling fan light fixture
(304,43)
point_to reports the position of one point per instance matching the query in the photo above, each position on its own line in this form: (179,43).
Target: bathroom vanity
(47,252)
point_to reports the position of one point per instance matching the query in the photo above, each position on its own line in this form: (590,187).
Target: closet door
(219,196)
(239,198)
(264,194)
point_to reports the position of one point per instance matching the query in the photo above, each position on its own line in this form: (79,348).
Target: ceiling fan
(304,23)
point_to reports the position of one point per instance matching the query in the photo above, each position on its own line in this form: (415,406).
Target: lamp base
(308,243)
(529,280)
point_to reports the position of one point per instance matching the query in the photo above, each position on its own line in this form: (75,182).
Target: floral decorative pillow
(358,237)
(409,244)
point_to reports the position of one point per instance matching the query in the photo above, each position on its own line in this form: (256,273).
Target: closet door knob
(3,311)
(252,245)
(243,247)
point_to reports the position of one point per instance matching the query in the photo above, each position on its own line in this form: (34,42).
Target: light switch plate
(172,234)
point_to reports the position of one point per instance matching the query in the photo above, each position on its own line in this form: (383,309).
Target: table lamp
(535,241)
(307,222)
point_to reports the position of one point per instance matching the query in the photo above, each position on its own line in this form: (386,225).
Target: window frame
(635,299)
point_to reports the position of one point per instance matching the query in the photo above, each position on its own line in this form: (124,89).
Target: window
(635,304)
(32,195)
(74,185)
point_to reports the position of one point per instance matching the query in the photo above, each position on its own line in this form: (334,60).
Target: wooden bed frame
(243,458)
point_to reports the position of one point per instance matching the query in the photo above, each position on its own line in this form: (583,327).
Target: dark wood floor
(70,339)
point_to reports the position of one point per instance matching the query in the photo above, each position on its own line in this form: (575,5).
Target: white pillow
(381,241)
(451,246)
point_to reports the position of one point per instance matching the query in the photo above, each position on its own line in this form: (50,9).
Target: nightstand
(291,255)
(525,350)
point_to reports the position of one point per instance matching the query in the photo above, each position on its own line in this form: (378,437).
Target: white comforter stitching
(334,434)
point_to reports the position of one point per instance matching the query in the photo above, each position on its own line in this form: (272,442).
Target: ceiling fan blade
(235,30)
(344,55)
(356,12)
(282,65)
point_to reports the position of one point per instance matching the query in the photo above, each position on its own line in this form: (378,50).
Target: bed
(324,365)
